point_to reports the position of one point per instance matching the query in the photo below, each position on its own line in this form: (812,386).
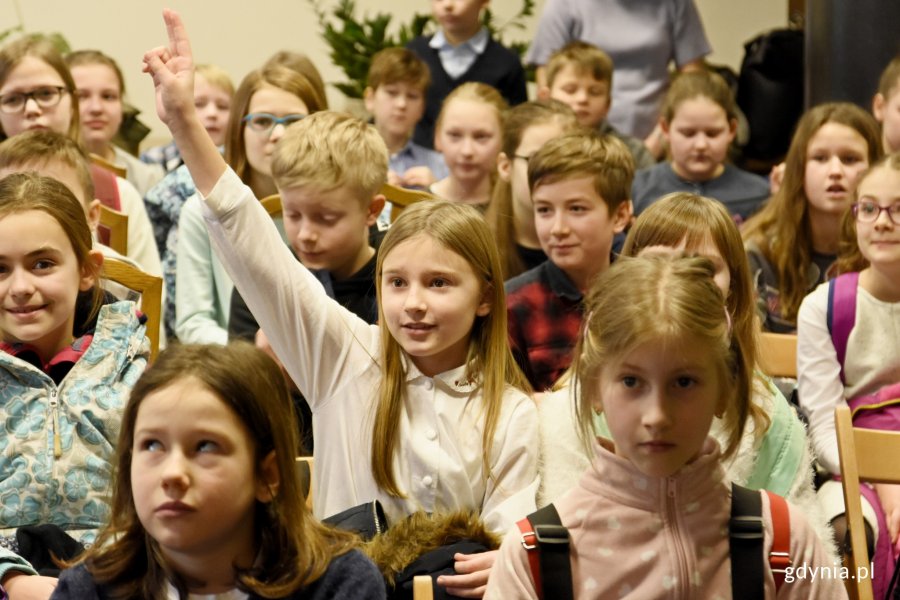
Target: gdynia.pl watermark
(821,572)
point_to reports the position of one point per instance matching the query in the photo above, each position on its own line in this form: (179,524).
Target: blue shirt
(413,155)
(456,60)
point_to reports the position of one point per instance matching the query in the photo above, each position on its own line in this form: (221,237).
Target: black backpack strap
(552,541)
(746,538)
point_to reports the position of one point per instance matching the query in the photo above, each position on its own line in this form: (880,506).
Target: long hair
(781,229)
(459,229)
(683,216)
(21,192)
(294,549)
(500,214)
(275,75)
(43,49)
(660,301)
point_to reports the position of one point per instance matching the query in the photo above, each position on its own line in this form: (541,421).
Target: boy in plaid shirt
(581,187)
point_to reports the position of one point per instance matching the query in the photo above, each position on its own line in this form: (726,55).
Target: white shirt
(456,60)
(334,357)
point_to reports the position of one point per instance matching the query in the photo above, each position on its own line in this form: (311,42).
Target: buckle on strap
(529,540)
(780,561)
(551,534)
(747,527)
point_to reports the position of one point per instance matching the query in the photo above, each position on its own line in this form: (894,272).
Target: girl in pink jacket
(650,518)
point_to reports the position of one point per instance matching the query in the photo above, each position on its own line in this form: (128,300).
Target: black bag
(366,520)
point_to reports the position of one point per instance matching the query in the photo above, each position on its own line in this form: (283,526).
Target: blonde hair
(39,148)
(81,58)
(695,219)
(216,76)
(499,215)
(475,91)
(587,59)
(398,65)
(660,301)
(586,154)
(703,84)
(460,229)
(890,78)
(781,229)
(328,150)
(301,63)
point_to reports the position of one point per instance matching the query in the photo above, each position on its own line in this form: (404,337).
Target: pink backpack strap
(841,314)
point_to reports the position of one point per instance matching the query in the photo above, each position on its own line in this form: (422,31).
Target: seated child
(100,88)
(461,51)
(699,120)
(67,364)
(469,133)
(580,186)
(213,91)
(886,106)
(207,505)
(580,74)
(650,517)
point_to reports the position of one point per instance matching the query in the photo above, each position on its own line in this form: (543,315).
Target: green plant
(353,40)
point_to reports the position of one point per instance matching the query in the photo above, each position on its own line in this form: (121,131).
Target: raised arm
(172,69)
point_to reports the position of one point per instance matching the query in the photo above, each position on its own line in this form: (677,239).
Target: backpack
(547,544)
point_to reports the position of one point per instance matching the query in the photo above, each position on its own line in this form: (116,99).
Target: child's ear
(622,216)
(878,107)
(504,167)
(268,479)
(543,93)
(664,126)
(369,99)
(90,271)
(375,208)
(484,307)
(93,214)
(732,129)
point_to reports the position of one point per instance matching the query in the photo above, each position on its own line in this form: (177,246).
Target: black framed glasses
(45,97)
(266,122)
(868,211)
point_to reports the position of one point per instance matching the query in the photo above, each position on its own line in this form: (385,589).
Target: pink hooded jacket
(643,538)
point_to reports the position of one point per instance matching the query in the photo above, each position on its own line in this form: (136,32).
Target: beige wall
(241,37)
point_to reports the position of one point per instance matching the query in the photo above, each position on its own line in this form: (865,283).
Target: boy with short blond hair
(395,95)
(581,187)
(580,75)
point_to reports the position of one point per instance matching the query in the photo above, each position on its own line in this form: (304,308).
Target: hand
(889,495)
(172,69)
(656,142)
(394,179)
(776,177)
(22,586)
(473,572)
(418,177)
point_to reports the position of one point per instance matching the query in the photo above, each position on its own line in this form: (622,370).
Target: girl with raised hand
(421,412)
(67,364)
(650,517)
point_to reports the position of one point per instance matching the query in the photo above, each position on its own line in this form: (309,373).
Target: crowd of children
(567,334)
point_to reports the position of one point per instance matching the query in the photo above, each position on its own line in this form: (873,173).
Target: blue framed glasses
(266,122)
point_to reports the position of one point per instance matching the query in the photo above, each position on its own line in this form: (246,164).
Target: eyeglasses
(266,122)
(45,97)
(868,212)
(525,158)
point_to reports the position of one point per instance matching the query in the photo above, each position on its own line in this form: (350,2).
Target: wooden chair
(115,224)
(150,289)
(400,198)
(866,455)
(778,354)
(112,168)
(272,204)
(305,471)
(422,589)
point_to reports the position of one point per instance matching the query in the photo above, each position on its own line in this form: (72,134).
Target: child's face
(100,103)
(588,97)
(259,145)
(194,478)
(659,404)
(707,250)
(835,158)
(469,137)
(396,108)
(879,241)
(458,18)
(39,282)
(430,303)
(329,230)
(213,106)
(699,135)
(887,111)
(29,75)
(575,228)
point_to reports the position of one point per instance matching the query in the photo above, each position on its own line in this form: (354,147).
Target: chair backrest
(116,225)
(150,289)
(114,169)
(305,471)
(422,588)
(400,198)
(778,354)
(866,455)
(272,204)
